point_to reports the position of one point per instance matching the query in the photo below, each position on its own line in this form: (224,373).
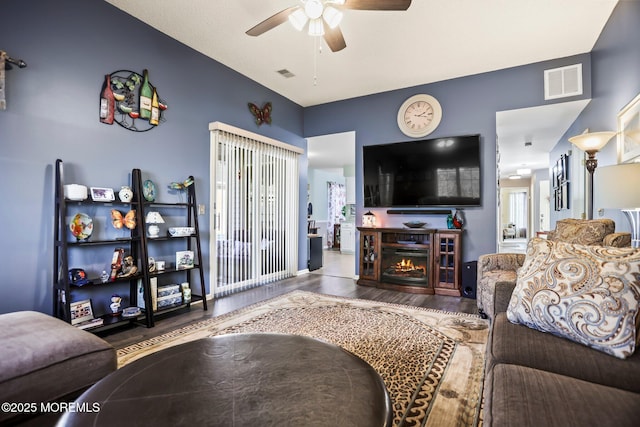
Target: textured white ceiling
(433,40)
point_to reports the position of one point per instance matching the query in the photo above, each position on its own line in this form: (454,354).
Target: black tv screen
(430,172)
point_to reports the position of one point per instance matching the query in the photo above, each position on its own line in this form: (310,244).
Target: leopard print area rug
(431,361)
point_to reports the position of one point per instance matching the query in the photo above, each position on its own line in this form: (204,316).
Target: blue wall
(70,44)
(52,112)
(615,70)
(469,106)
(610,77)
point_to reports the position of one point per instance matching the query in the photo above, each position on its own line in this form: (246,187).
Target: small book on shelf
(88,324)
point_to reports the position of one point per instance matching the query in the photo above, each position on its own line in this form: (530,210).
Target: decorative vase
(125,194)
(457,220)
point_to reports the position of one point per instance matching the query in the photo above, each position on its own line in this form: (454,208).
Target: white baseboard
(301,272)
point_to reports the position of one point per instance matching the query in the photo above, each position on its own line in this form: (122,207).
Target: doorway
(545,206)
(334,220)
(513,231)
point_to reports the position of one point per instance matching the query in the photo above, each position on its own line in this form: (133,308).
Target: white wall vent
(563,82)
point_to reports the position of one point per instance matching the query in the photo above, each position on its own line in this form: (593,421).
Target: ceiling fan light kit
(332,16)
(298,19)
(316,27)
(313,8)
(323,17)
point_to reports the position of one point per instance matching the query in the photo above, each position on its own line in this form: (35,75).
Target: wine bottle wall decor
(130,100)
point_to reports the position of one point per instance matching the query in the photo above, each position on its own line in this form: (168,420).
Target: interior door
(544,206)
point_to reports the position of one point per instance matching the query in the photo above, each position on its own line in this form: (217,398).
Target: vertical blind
(254,194)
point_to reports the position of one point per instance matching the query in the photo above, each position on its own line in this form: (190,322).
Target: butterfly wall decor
(181,185)
(261,115)
(118,220)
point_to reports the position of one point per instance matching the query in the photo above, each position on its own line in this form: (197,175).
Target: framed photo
(184,260)
(81,311)
(99,194)
(629,131)
(564,161)
(565,195)
(557,199)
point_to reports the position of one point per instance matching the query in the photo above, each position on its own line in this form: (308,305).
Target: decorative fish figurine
(181,185)
(262,115)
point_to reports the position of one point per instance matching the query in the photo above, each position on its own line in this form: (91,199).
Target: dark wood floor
(331,285)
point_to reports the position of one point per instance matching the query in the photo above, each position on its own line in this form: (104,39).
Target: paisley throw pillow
(588,294)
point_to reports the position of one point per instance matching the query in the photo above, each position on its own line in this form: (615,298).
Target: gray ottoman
(43,359)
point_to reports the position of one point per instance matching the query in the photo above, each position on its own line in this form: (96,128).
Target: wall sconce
(369,220)
(154,218)
(591,143)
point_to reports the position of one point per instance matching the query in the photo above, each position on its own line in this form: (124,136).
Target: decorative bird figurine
(181,185)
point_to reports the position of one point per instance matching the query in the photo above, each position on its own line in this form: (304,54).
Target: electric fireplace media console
(416,260)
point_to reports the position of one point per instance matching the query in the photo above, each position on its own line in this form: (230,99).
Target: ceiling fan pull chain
(316,50)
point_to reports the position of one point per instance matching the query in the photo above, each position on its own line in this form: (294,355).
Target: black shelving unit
(191,243)
(136,243)
(133,244)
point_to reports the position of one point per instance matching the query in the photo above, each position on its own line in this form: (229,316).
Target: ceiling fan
(322,17)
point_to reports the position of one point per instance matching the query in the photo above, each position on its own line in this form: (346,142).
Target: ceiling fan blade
(334,38)
(377,4)
(272,21)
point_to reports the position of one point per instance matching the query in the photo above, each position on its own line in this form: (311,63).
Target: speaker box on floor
(469,279)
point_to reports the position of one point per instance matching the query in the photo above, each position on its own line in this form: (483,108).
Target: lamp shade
(332,16)
(591,142)
(615,186)
(316,27)
(298,19)
(154,218)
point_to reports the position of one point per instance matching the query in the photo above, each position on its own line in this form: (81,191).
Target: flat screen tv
(427,173)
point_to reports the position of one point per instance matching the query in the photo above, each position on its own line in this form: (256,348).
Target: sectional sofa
(562,346)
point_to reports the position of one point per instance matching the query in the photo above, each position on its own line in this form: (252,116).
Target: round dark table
(239,380)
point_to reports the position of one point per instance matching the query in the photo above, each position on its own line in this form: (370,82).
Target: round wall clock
(419,115)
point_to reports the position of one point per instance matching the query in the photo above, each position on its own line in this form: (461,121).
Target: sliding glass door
(255,209)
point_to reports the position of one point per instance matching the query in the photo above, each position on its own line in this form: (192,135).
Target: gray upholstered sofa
(43,359)
(495,269)
(554,355)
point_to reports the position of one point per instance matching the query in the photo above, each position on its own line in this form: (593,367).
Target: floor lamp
(591,143)
(615,188)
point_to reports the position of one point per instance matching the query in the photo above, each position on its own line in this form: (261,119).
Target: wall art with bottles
(130,100)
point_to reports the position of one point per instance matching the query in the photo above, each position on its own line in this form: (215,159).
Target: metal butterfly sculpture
(118,220)
(262,115)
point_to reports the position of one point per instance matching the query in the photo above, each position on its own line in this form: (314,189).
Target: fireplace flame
(405,265)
